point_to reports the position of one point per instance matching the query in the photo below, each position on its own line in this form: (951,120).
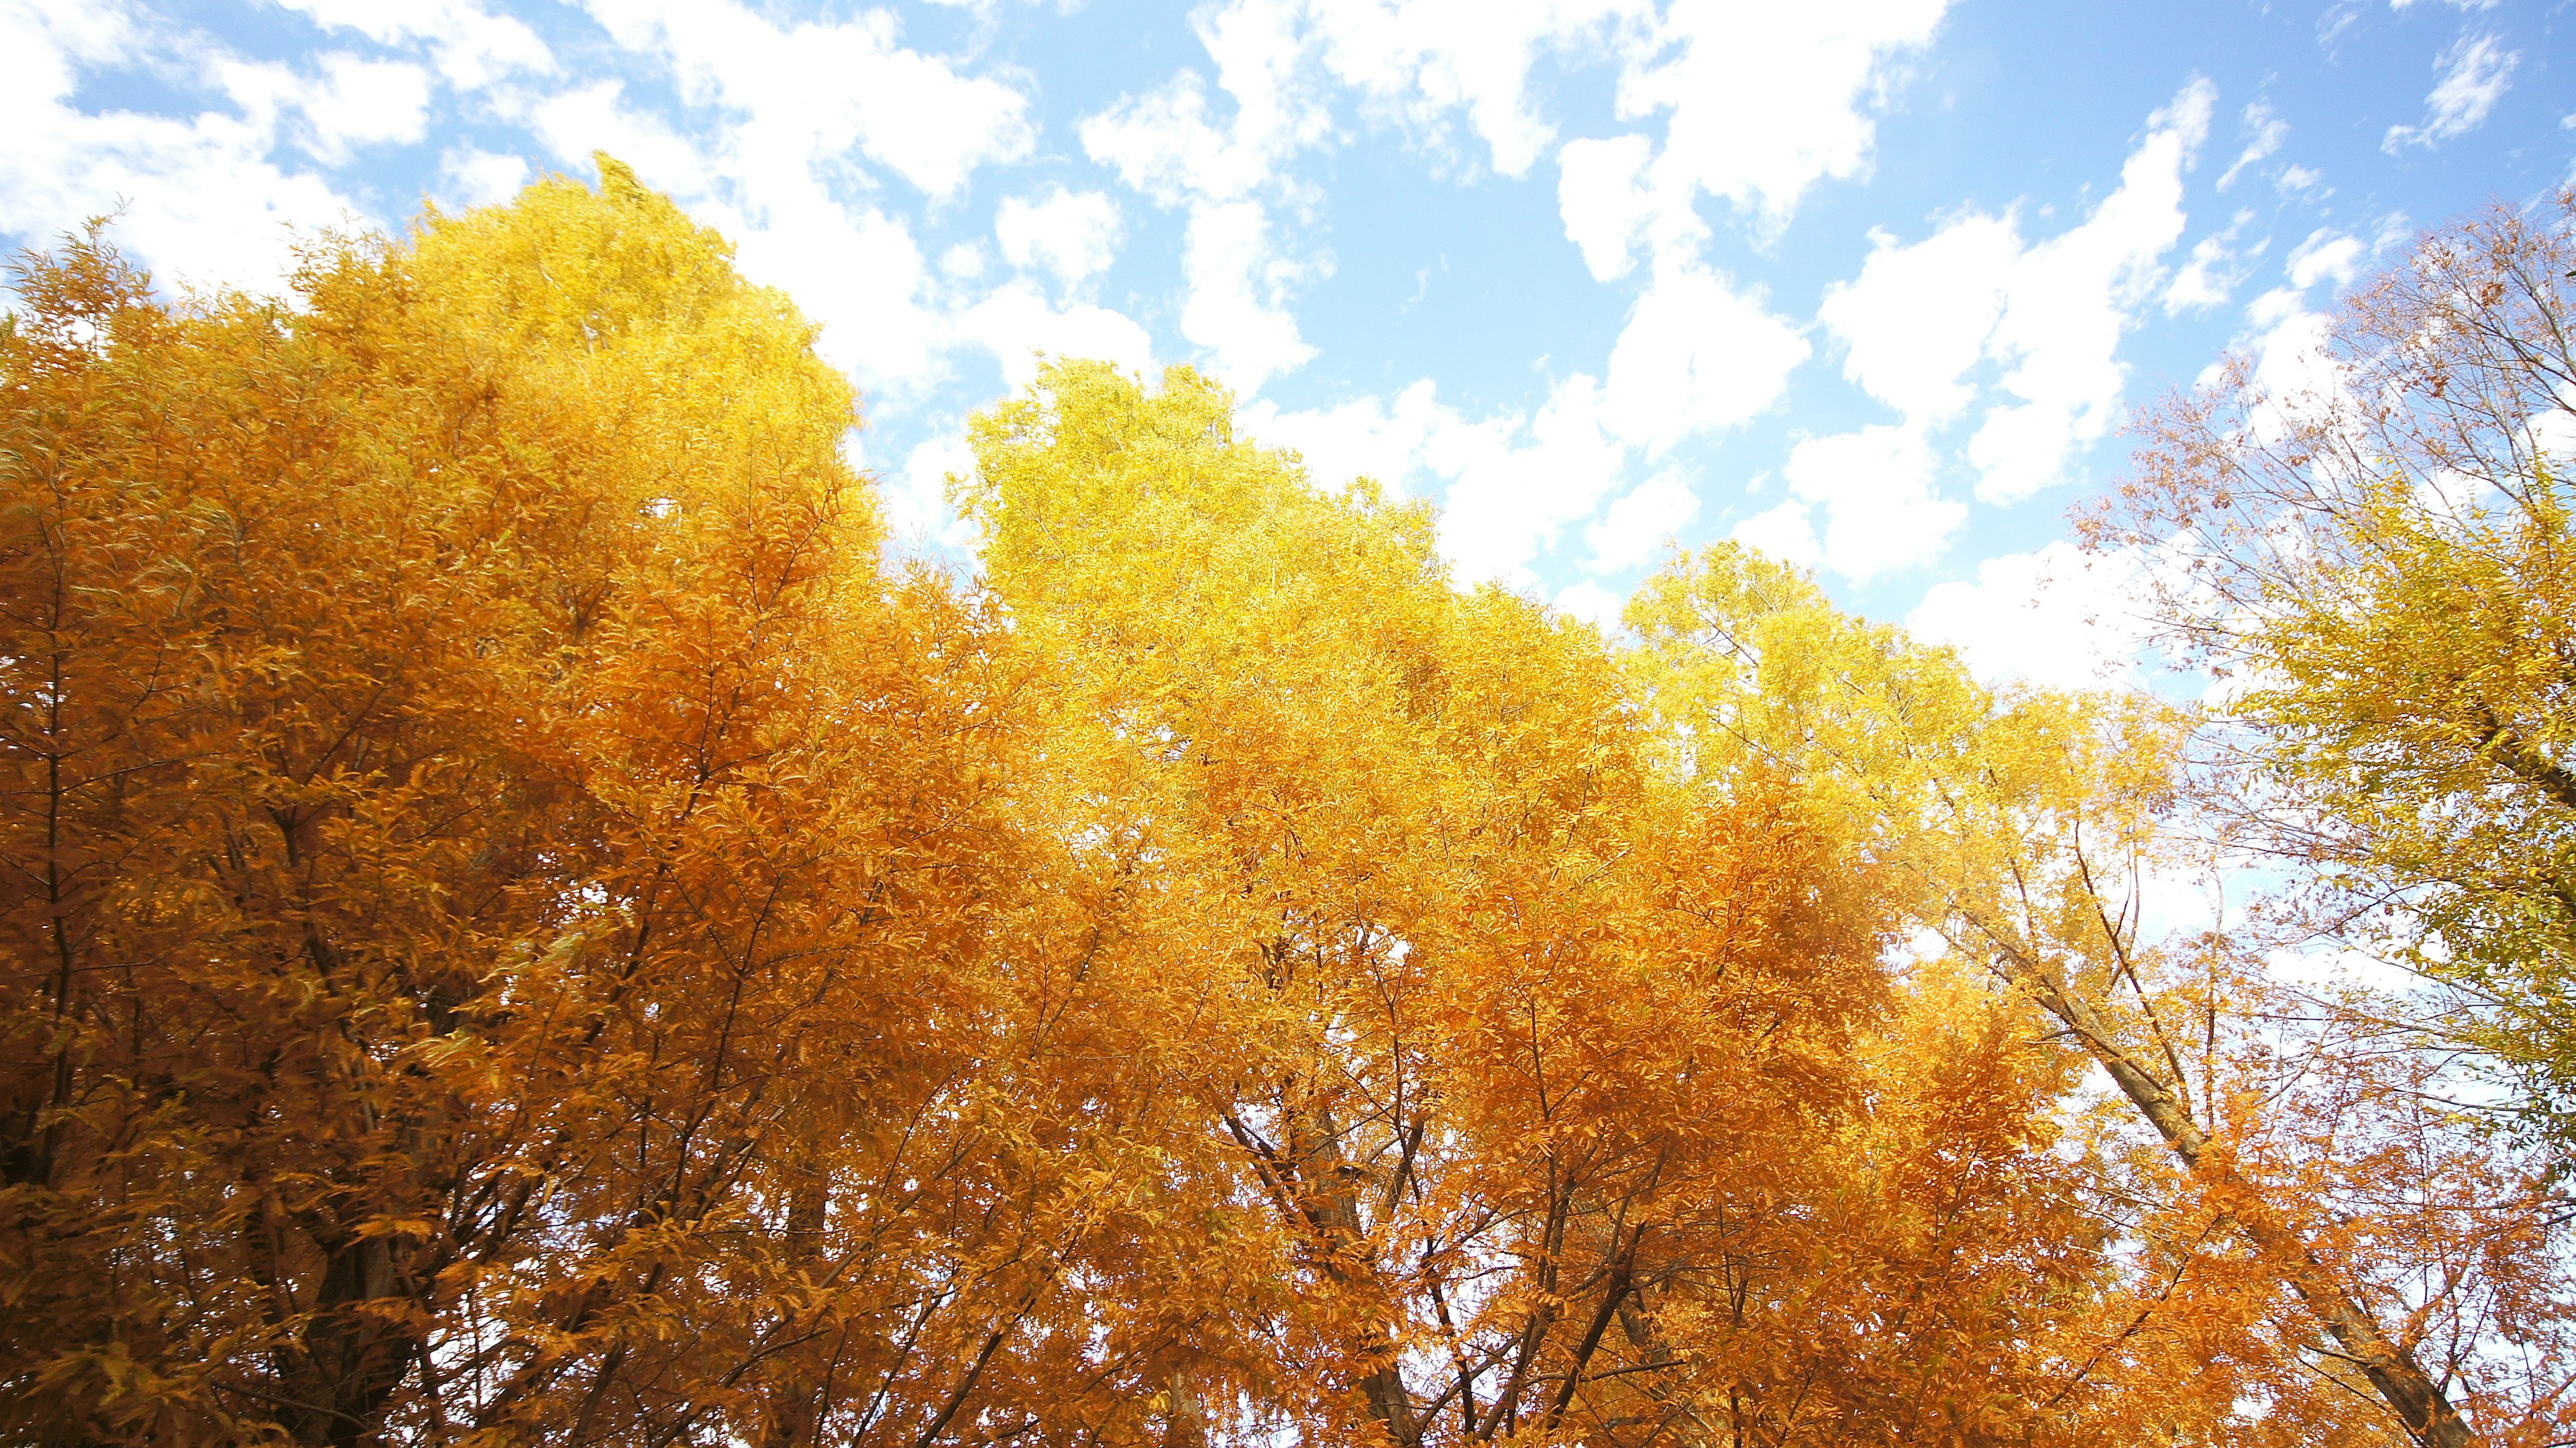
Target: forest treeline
(526,924)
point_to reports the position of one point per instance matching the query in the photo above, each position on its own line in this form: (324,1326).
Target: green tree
(2374,556)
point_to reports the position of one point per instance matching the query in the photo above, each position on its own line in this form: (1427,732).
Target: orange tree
(516,929)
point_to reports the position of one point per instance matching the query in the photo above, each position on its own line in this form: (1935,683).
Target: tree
(514,934)
(523,926)
(2373,547)
(2023,829)
(1573,1081)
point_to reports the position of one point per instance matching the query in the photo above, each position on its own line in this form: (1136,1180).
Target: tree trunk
(1330,1202)
(2419,1402)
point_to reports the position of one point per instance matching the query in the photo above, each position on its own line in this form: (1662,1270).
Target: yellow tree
(1554,1063)
(516,930)
(2025,830)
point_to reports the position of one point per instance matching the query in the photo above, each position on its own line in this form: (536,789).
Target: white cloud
(1592,603)
(792,108)
(471,176)
(2291,367)
(574,123)
(1362,438)
(1756,108)
(1166,145)
(2324,255)
(1413,61)
(2474,75)
(916,500)
(1519,482)
(198,199)
(1016,324)
(353,103)
(1514,480)
(2214,271)
(1072,235)
(2055,617)
(1759,105)
(1766,100)
(1604,206)
(859,273)
(1784,532)
(1874,488)
(1917,318)
(473,47)
(2292,370)
(814,91)
(2072,295)
(1920,319)
(1237,303)
(1650,515)
(2267,130)
(1695,356)
(1409,63)
(1163,144)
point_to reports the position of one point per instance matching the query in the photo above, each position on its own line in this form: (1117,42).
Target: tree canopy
(526,924)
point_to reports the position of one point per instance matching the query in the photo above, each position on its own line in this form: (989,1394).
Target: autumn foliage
(525,925)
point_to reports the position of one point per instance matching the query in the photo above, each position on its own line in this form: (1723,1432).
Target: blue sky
(1873,285)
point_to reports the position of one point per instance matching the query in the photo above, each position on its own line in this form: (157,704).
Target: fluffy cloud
(2325,256)
(2055,617)
(1592,603)
(1168,145)
(1695,356)
(1602,197)
(1016,325)
(2072,295)
(915,499)
(472,176)
(809,92)
(574,123)
(199,199)
(1759,104)
(1072,235)
(1365,437)
(1518,482)
(1757,107)
(2265,132)
(1650,515)
(1165,144)
(2213,272)
(1919,319)
(779,115)
(1514,481)
(1411,64)
(857,271)
(1785,532)
(1415,61)
(473,47)
(1765,101)
(352,103)
(2287,337)
(1238,284)
(2474,75)
(1874,488)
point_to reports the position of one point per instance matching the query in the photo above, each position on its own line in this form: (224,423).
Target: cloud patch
(2474,74)
(1921,319)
